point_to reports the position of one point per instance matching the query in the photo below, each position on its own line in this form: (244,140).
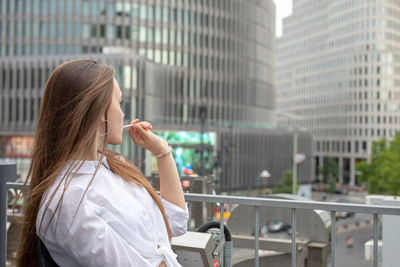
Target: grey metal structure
(8,173)
(311,227)
(194,249)
(294,205)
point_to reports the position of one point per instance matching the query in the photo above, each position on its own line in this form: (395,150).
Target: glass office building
(172,60)
(338,73)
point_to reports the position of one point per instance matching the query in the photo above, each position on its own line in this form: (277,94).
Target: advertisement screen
(16,146)
(187,151)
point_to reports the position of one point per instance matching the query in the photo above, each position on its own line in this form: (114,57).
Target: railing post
(294,247)
(256,232)
(8,173)
(375,240)
(189,223)
(333,238)
(221,230)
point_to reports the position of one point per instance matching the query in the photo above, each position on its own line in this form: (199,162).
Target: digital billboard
(16,146)
(187,150)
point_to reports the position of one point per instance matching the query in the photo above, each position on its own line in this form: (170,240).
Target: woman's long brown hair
(76,95)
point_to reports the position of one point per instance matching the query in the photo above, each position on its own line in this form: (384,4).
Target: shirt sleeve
(177,217)
(93,240)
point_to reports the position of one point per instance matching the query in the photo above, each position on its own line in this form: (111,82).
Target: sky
(283,9)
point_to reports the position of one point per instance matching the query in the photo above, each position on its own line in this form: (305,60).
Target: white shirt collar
(104,162)
(87,166)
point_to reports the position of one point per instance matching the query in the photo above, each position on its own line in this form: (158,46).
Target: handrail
(294,204)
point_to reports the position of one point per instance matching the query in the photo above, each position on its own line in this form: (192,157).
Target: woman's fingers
(140,133)
(146,125)
(136,132)
(134,121)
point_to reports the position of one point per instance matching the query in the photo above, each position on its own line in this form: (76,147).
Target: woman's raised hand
(142,136)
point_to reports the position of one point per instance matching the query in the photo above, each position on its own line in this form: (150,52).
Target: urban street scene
(200,133)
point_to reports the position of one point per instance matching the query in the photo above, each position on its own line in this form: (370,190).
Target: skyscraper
(338,73)
(175,61)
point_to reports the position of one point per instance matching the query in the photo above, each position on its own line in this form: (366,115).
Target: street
(353,257)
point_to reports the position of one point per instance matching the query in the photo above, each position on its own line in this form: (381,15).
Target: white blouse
(117,223)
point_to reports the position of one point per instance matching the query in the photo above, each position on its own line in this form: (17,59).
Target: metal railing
(294,205)
(257,203)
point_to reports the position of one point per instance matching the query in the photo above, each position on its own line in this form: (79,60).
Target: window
(43,6)
(119,32)
(35,29)
(135,11)
(86,6)
(158,13)
(142,34)
(93,30)
(85,30)
(111,9)
(69,9)
(77,30)
(135,33)
(60,6)
(110,32)
(143,12)
(43,29)
(68,29)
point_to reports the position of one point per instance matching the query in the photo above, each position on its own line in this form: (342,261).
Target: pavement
(354,256)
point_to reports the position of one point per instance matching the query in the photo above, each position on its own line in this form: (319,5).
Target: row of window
(138,34)
(24,110)
(170,57)
(20,6)
(136,11)
(341,146)
(345,146)
(112,32)
(19,110)
(346,132)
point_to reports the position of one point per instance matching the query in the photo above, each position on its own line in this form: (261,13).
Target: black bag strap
(44,257)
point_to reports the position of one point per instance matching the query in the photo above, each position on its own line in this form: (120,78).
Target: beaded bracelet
(164,153)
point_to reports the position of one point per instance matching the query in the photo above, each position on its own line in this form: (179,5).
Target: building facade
(172,60)
(338,73)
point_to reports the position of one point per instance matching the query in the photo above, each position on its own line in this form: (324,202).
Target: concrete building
(339,74)
(172,60)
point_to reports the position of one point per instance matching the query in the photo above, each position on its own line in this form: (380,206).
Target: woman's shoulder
(74,182)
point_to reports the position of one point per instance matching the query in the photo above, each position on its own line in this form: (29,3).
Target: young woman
(87,204)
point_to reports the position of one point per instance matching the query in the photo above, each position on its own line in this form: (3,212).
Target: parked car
(343,214)
(277,226)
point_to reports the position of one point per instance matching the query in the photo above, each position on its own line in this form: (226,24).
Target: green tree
(330,171)
(382,173)
(286,185)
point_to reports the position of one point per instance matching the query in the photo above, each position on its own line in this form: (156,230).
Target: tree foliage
(330,172)
(382,173)
(286,185)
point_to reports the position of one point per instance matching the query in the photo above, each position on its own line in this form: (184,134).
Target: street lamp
(295,149)
(294,174)
(203,116)
(265,174)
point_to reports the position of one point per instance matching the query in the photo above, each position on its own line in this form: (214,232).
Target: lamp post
(264,175)
(203,116)
(295,149)
(294,174)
